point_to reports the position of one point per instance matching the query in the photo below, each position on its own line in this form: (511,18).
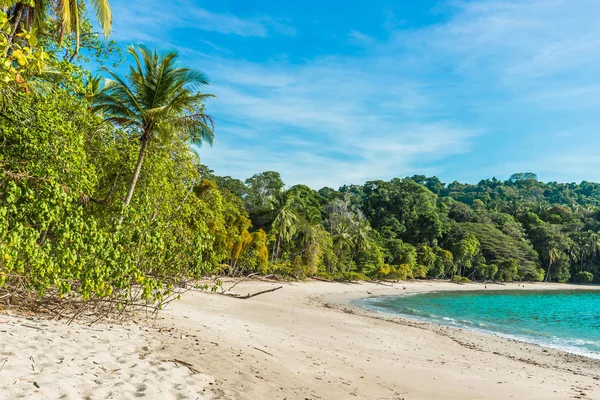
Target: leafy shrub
(460,279)
(384,270)
(419,271)
(583,277)
(403,272)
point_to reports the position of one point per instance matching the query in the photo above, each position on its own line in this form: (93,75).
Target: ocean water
(565,320)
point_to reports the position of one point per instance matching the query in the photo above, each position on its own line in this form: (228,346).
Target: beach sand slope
(42,359)
(305,342)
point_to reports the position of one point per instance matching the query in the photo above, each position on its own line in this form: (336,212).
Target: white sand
(286,345)
(50,360)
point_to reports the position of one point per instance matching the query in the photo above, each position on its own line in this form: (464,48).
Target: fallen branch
(267,278)
(264,291)
(266,352)
(379,283)
(237,296)
(31,326)
(185,364)
(316,278)
(240,281)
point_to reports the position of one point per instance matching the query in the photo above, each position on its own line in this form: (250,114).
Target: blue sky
(331,92)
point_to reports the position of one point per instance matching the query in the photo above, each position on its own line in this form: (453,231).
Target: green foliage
(406,208)
(508,270)
(20,60)
(401,272)
(62,177)
(583,277)
(459,279)
(157,99)
(62,16)
(499,248)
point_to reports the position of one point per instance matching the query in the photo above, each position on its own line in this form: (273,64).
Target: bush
(459,279)
(583,277)
(384,271)
(420,271)
(402,272)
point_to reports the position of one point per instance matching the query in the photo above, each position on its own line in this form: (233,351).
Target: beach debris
(240,281)
(185,364)
(266,352)
(3,362)
(237,296)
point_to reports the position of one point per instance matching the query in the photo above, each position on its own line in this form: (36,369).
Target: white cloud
(515,70)
(151,20)
(327,122)
(361,39)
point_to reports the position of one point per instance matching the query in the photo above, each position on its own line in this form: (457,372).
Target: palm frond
(64,12)
(103,14)
(157,93)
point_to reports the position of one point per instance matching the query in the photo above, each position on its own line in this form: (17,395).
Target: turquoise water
(566,320)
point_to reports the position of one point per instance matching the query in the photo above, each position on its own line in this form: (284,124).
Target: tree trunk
(548,272)
(275,253)
(278,248)
(17,16)
(136,173)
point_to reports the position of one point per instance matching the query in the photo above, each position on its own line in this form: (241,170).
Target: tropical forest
(104,196)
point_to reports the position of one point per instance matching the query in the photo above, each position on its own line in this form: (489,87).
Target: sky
(331,93)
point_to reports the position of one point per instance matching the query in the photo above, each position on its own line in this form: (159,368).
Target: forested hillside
(419,227)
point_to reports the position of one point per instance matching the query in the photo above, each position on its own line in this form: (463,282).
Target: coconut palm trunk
(277,248)
(548,272)
(136,172)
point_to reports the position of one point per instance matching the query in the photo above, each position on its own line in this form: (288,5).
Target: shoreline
(348,304)
(305,341)
(373,356)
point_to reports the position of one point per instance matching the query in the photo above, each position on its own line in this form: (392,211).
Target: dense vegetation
(419,227)
(102,196)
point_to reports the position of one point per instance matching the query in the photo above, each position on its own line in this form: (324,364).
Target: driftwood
(316,278)
(237,296)
(379,283)
(185,364)
(240,281)
(266,352)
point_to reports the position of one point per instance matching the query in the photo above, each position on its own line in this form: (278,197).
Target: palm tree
(310,227)
(157,94)
(285,222)
(342,240)
(589,247)
(360,237)
(67,12)
(552,253)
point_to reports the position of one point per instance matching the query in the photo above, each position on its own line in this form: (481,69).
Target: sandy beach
(304,341)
